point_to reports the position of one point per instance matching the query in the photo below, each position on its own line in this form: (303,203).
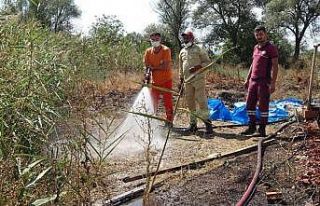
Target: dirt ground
(226,184)
(219,182)
(223,182)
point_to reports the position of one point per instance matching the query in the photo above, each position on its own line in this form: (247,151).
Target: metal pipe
(200,163)
(311,75)
(195,164)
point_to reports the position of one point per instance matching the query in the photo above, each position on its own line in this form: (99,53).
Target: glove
(195,68)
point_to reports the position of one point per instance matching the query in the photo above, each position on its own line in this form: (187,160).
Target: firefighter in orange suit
(158,59)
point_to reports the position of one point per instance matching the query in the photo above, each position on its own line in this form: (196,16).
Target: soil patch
(226,184)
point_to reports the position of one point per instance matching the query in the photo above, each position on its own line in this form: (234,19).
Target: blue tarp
(278,110)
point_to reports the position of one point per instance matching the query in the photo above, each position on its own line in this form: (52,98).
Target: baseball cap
(188,32)
(155,34)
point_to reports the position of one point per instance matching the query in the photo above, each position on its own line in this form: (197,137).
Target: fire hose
(248,194)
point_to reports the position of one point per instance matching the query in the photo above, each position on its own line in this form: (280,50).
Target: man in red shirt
(261,80)
(158,59)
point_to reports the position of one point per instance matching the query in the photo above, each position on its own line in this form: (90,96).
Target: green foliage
(293,16)
(41,77)
(245,51)
(35,75)
(53,14)
(108,30)
(38,71)
(138,41)
(174,14)
(285,49)
(59,14)
(230,23)
(36,80)
(108,48)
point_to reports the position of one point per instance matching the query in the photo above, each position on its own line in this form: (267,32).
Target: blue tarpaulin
(278,110)
(218,111)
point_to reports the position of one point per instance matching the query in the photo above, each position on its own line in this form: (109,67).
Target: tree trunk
(296,50)
(179,46)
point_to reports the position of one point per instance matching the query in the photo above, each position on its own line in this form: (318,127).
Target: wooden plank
(129,195)
(194,165)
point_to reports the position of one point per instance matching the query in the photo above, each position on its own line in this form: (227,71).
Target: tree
(60,13)
(54,14)
(8,7)
(138,40)
(285,49)
(108,29)
(165,33)
(230,22)
(295,16)
(173,14)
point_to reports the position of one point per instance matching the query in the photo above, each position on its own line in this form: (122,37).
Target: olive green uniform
(195,90)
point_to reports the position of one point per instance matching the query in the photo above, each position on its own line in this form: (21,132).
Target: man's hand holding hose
(147,75)
(181,83)
(195,68)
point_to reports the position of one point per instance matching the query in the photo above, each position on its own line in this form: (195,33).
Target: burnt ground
(226,184)
(289,169)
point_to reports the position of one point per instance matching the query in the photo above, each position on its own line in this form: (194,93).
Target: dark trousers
(258,91)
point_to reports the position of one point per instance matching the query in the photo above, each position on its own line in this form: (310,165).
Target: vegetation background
(53,80)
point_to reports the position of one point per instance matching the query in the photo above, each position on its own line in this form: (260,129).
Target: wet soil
(226,184)
(220,182)
(223,182)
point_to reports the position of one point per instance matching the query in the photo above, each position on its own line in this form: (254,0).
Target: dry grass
(124,82)
(117,82)
(120,88)
(116,91)
(292,83)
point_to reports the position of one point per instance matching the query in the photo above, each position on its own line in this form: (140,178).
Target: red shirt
(262,64)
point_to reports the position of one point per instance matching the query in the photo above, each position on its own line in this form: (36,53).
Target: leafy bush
(35,78)
(42,74)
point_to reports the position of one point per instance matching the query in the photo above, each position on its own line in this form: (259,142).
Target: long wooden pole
(311,75)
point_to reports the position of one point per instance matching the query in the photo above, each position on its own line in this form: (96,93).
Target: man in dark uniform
(261,81)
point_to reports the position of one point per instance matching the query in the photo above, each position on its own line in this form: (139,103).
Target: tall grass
(44,154)
(35,80)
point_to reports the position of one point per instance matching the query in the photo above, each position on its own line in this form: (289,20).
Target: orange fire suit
(160,77)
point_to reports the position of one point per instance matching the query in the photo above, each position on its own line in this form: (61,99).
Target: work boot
(209,130)
(191,129)
(262,131)
(250,130)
